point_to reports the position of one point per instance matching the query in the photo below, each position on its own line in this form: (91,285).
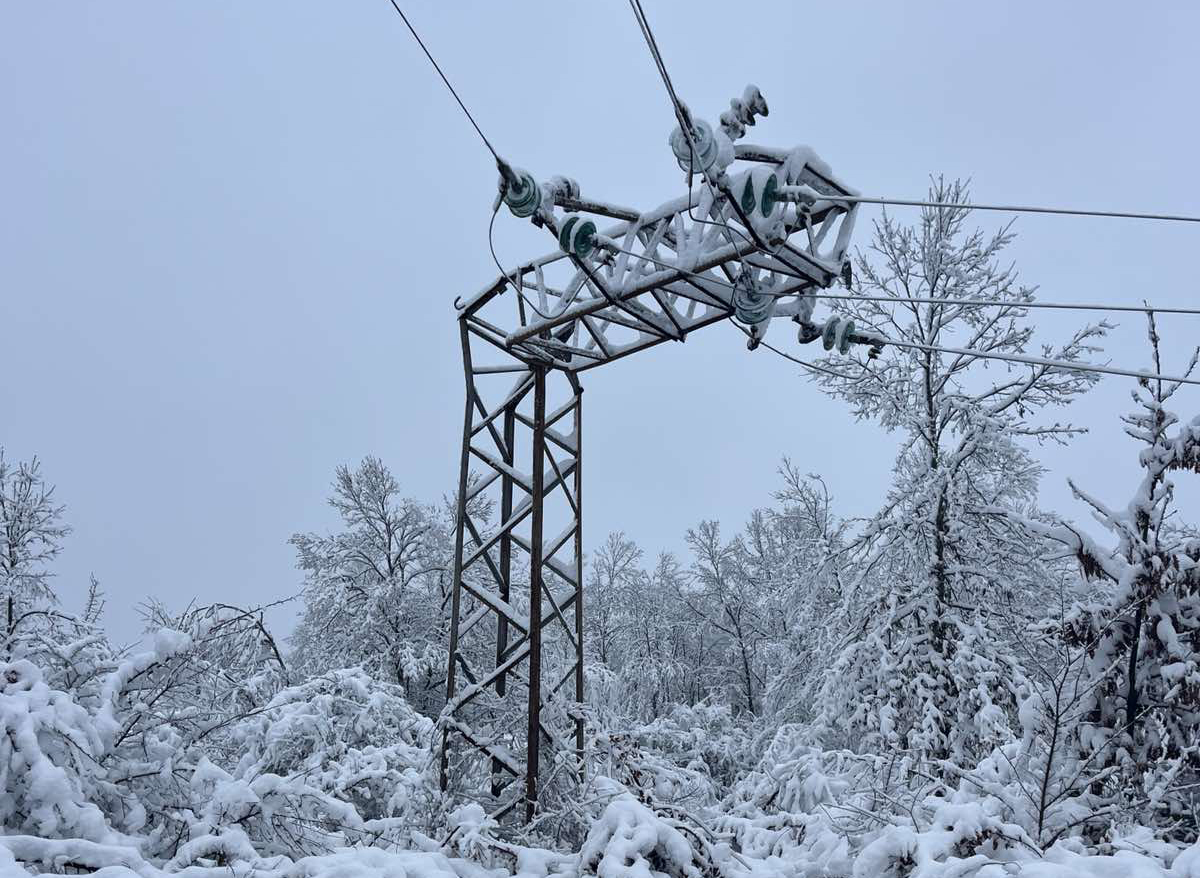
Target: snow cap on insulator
(562,187)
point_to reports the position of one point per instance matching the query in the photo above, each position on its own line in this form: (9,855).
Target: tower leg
(578,434)
(455,582)
(519,489)
(536,586)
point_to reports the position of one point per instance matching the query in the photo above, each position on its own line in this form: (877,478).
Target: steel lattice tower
(758,230)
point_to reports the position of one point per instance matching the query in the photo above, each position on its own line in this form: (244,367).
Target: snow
(631,841)
(1187,864)
(809,697)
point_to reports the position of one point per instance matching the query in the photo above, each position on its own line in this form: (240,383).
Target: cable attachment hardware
(520,191)
(560,189)
(742,111)
(577,236)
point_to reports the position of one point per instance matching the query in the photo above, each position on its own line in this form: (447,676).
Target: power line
(685,125)
(1041,361)
(425,49)
(788,356)
(1070,306)
(896,300)
(683,117)
(1016,358)
(968,352)
(1065,211)
(648,35)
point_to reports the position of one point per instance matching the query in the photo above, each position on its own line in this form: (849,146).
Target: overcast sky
(231,234)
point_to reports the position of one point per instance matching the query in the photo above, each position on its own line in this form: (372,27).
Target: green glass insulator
(577,236)
(770,195)
(564,232)
(844,341)
(523,196)
(584,239)
(748,199)
(829,334)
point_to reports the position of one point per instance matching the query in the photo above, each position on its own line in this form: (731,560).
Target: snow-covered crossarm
(660,274)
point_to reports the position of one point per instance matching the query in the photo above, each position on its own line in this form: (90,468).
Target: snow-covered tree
(374,592)
(1142,636)
(614,580)
(31,534)
(724,597)
(919,669)
(639,636)
(794,551)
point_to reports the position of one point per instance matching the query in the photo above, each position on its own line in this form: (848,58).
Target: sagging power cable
(1012,208)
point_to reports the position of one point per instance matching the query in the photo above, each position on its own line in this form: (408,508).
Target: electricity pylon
(756,232)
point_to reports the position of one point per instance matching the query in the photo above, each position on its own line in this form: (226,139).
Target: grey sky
(232,232)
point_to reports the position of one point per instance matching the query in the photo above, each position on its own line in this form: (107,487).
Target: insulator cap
(808,332)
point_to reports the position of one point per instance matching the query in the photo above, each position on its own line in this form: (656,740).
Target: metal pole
(535,596)
(506,505)
(579,575)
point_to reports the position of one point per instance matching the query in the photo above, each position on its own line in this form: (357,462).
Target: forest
(960,684)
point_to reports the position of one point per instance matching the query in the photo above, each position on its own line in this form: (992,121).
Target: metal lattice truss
(515,678)
(656,276)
